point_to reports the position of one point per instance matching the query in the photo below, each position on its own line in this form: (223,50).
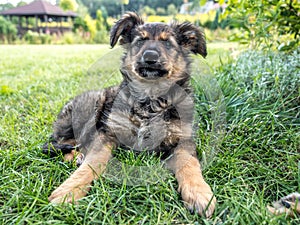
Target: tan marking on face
(144,34)
(164,36)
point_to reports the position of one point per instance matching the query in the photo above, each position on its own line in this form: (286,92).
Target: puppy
(151,110)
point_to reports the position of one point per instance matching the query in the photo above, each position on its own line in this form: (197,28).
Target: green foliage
(80,24)
(91,26)
(6,90)
(21,3)
(271,24)
(92,31)
(160,12)
(101,37)
(172,10)
(6,6)
(8,30)
(113,7)
(32,37)
(148,11)
(68,5)
(267,82)
(100,20)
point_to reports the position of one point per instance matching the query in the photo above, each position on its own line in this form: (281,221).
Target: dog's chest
(143,125)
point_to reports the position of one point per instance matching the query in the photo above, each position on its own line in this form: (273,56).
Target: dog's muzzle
(150,66)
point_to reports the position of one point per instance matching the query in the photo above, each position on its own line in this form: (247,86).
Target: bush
(73,38)
(262,84)
(148,11)
(45,38)
(258,113)
(161,11)
(8,31)
(172,10)
(101,37)
(268,24)
(32,37)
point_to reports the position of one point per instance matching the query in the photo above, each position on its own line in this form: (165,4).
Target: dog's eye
(167,43)
(140,42)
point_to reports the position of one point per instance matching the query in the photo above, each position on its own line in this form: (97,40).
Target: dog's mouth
(151,73)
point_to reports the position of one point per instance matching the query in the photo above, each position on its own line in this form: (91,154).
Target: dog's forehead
(155,29)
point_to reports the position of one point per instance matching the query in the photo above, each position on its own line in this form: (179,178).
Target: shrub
(172,10)
(73,38)
(80,24)
(268,24)
(101,37)
(161,11)
(32,37)
(256,105)
(45,38)
(8,30)
(262,85)
(148,11)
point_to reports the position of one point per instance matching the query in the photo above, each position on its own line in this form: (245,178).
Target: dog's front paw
(61,196)
(198,197)
(65,194)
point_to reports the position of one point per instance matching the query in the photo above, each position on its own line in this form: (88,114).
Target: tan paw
(198,198)
(78,156)
(67,195)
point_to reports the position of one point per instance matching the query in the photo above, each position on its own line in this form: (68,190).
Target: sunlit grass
(256,152)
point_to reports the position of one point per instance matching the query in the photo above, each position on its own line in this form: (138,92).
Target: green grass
(249,139)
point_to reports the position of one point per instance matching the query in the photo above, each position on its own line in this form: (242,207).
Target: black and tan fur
(289,205)
(150,110)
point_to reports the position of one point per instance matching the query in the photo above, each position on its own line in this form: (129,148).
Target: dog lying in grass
(150,110)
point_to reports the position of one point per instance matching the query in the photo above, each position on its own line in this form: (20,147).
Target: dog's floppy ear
(191,37)
(123,28)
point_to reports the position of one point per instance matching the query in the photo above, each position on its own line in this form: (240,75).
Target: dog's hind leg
(62,141)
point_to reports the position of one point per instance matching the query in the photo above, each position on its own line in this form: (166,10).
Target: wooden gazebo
(49,18)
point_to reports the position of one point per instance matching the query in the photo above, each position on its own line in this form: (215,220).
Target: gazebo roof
(38,7)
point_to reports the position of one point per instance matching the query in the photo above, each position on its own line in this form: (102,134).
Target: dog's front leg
(78,184)
(195,192)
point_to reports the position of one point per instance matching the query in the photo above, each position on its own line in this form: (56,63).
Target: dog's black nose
(150,56)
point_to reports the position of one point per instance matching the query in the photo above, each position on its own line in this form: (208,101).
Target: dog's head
(156,51)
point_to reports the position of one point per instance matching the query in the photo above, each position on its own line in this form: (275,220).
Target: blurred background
(272,24)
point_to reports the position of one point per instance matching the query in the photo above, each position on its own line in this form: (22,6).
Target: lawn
(248,138)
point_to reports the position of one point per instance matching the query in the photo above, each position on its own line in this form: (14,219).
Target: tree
(80,25)
(91,26)
(8,30)
(6,6)
(68,5)
(161,11)
(21,3)
(172,10)
(123,3)
(113,7)
(100,21)
(148,11)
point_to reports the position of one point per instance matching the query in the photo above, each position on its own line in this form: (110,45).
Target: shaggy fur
(289,205)
(150,110)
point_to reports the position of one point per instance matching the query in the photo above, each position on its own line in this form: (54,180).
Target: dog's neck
(154,90)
